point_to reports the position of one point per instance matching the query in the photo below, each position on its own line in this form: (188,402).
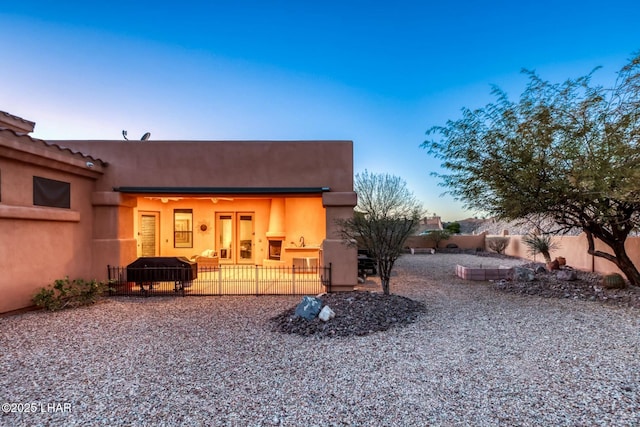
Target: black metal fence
(224,280)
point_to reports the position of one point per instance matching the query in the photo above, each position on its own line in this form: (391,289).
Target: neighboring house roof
(432,223)
(25,141)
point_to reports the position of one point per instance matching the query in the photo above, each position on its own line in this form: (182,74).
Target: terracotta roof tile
(24,138)
(11,116)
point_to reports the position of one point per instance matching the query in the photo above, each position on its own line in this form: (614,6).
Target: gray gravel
(478,357)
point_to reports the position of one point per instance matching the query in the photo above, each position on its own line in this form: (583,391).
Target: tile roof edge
(11,116)
(26,137)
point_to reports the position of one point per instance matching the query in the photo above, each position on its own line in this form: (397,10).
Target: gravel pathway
(477,357)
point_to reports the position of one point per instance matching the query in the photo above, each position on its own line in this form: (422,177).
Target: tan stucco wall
(337,252)
(326,164)
(100,229)
(41,244)
(574,249)
(463,241)
(223,163)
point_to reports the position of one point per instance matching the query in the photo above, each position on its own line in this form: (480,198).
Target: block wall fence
(573,248)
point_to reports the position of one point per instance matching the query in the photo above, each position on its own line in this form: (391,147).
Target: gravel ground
(478,356)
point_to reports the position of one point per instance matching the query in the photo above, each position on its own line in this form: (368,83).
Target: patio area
(231,280)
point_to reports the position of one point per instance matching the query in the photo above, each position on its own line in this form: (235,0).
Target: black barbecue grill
(148,272)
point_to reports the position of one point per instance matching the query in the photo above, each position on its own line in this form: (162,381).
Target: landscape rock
(567,275)
(308,308)
(540,269)
(553,265)
(326,314)
(357,313)
(520,274)
(588,286)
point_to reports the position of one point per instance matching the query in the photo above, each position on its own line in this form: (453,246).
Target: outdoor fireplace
(275,248)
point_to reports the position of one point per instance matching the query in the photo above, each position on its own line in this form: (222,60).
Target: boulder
(553,265)
(521,274)
(540,269)
(567,275)
(326,313)
(308,308)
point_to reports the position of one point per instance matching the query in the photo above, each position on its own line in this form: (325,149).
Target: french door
(235,237)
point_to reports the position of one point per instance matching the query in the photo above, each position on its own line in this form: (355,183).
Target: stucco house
(71,208)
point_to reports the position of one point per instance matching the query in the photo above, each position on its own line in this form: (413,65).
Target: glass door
(245,237)
(225,232)
(234,237)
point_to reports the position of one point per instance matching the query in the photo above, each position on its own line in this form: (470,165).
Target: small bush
(65,293)
(498,244)
(437,236)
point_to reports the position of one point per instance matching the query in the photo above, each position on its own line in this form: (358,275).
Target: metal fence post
(293,279)
(257,274)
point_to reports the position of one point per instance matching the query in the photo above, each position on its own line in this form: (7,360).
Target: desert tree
(498,244)
(386,214)
(453,227)
(569,151)
(438,236)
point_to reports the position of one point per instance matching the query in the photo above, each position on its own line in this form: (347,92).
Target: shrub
(540,244)
(498,244)
(69,293)
(437,236)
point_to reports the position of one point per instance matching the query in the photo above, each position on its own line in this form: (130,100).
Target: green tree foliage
(66,293)
(570,151)
(437,236)
(453,227)
(387,213)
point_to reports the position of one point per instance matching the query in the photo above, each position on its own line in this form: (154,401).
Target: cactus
(613,281)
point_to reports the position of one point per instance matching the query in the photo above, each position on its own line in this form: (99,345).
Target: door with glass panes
(235,237)
(148,230)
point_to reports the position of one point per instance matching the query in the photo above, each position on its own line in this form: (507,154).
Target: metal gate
(229,280)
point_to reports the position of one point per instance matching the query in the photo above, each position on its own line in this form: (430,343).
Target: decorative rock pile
(557,266)
(347,314)
(536,279)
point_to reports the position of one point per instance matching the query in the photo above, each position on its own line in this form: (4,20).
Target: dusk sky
(377,73)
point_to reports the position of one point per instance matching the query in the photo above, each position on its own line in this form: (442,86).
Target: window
(52,193)
(182,228)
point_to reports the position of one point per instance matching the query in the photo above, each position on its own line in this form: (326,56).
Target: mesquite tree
(569,151)
(386,214)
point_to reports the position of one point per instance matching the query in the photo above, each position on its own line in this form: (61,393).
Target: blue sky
(377,73)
